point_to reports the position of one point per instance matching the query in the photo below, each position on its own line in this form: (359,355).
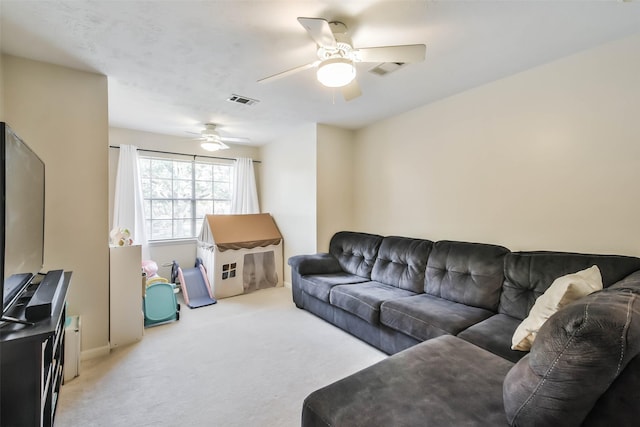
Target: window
(179,193)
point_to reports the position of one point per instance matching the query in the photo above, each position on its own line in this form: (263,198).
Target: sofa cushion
(319,285)
(529,274)
(364,299)
(494,335)
(578,354)
(425,316)
(618,406)
(355,252)
(440,383)
(468,273)
(631,282)
(402,262)
(563,290)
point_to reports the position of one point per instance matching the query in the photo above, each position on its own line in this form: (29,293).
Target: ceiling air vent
(242,100)
(386,68)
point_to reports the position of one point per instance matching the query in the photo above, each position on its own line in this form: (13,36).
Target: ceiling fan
(336,56)
(213,141)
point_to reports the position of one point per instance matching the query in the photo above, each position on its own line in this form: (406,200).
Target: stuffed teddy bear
(121,237)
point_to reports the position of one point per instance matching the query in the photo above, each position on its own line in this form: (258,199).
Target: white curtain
(245,195)
(128,205)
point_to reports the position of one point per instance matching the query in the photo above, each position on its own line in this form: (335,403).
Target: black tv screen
(22,209)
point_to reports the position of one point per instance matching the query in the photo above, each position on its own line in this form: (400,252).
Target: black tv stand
(8,320)
(32,362)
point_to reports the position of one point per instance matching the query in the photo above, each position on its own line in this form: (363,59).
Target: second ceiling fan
(337,56)
(213,141)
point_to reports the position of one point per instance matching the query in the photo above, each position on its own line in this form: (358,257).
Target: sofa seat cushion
(494,335)
(424,316)
(441,382)
(364,299)
(319,285)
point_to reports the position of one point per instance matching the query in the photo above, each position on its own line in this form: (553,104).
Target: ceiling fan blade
(235,140)
(319,30)
(351,91)
(403,53)
(289,72)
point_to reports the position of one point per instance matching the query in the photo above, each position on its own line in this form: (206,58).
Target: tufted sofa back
(402,262)
(355,252)
(468,273)
(529,274)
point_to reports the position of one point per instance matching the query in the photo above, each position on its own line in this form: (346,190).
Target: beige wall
(546,159)
(2,118)
(184,251)
(62,115)
(288,176)
(334,184)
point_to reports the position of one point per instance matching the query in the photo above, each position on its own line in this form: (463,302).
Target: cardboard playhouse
(241,253)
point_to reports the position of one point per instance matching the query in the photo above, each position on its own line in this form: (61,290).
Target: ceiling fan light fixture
(211,136)
(336,72)
(211,139)
(213,145)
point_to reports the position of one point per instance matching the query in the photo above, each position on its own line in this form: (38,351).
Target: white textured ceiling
(172,64)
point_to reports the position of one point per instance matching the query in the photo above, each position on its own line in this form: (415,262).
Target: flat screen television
(21,216)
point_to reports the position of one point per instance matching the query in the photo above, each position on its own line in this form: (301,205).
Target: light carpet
(249,360)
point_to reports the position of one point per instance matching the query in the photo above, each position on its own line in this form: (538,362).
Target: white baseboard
(94,352)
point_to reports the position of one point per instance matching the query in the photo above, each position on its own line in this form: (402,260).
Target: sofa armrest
(314,264)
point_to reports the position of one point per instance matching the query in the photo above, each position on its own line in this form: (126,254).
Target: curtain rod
(183,154)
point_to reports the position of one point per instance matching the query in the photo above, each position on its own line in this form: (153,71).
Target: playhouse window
(179,193)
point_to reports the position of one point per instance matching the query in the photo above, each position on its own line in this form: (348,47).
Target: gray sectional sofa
(446,311)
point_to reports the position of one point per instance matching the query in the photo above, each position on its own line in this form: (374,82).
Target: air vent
(242,100)
(386,68)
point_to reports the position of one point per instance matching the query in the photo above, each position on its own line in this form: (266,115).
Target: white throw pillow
(562,291)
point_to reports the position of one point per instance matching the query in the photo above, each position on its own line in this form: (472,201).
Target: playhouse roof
(240,231)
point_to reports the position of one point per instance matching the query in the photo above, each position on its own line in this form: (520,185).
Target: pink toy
(150,268)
